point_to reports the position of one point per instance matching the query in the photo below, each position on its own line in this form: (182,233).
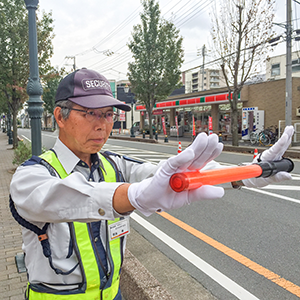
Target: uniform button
(90,179)
(101,212)
(96,239)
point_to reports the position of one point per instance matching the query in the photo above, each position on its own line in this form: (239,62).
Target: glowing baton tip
(179,182)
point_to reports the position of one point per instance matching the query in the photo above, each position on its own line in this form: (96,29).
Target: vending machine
(252,119)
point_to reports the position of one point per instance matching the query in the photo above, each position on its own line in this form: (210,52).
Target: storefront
(193,112)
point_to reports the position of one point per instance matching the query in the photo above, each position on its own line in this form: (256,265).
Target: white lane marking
(282,187)
(273,195)
(206,268)
(26,138)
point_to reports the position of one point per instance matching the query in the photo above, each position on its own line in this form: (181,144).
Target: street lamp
(126,90)
(34,87)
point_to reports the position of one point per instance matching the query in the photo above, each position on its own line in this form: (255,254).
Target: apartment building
(276,66)
(202,80)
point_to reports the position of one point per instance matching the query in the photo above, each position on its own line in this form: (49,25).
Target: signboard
(164,125)
(122,116)
(194,129)
(210,125)
(157,112)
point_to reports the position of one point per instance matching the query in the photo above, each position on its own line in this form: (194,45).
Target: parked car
(136,127)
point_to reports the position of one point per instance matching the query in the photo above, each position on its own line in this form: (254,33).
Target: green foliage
(21,153)
(14,53)
(50,84)
(158,55)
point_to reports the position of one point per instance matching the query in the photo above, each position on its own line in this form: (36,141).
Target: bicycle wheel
(264,139)
(253,137)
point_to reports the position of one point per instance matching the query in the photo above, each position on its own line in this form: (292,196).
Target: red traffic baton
(195,179)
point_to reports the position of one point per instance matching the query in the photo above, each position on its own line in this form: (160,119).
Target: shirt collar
(69,160)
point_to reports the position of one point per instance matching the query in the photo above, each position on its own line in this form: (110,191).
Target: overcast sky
(89,30)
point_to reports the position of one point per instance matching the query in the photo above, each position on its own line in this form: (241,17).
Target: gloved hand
(155,193)
(274,153)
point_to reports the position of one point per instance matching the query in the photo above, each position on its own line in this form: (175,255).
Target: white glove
(274,153)
(155,194)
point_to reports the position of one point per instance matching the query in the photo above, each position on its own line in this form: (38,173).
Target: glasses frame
(87,112)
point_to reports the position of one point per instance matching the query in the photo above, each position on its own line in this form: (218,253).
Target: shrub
(21,153)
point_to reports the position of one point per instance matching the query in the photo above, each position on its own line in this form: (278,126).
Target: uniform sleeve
(40,197)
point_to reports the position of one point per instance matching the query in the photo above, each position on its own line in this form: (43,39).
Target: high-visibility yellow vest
(90,289)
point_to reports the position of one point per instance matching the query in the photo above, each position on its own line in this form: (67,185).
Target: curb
(138,283)
(135,139)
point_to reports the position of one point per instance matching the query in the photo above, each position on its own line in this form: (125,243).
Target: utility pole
(203,53)
(203,56)
(288,80)
(74,62)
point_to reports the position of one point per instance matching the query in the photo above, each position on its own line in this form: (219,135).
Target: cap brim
(98,101)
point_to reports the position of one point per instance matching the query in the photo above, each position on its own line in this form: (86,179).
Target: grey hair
(66,106)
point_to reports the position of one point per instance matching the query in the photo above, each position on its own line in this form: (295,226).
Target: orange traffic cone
(179,148)
(255,153)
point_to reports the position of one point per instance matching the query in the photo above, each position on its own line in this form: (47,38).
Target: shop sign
(157,112)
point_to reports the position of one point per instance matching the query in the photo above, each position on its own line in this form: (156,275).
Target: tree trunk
(150,124)
(15,129)
(234,127)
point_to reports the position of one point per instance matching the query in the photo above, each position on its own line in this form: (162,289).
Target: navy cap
(89,89)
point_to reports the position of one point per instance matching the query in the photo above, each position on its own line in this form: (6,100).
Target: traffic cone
(255,153)
(179,148)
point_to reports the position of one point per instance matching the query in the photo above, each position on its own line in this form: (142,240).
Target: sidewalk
(13,284)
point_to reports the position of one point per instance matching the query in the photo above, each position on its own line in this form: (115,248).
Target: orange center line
(287,285)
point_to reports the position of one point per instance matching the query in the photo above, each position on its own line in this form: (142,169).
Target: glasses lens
(92,115)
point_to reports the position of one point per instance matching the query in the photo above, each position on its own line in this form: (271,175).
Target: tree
(157,52)
(14,53)
(240,32)
(50,83)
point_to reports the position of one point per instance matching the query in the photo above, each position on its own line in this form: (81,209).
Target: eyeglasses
(93,115)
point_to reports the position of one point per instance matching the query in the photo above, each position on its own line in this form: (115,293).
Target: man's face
(84,134)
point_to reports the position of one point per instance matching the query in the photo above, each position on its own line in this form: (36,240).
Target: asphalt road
(243,246)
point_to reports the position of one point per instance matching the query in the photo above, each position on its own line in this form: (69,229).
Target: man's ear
(58,117)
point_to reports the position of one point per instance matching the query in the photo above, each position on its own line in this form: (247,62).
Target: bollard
(166,139)
(144,134)
(156,137)
(220,138)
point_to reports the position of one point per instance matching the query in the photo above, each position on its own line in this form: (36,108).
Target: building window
(296,65)
(194,75)
(275,70)
(195,80)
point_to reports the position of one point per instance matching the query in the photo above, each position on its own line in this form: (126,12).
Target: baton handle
(195,179)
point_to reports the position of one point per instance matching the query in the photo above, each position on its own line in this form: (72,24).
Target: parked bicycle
(260,137)
(272,131)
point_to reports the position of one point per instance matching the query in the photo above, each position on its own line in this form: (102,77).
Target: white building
(196,81)
(276,66)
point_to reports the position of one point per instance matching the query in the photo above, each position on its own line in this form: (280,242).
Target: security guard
(74,202)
